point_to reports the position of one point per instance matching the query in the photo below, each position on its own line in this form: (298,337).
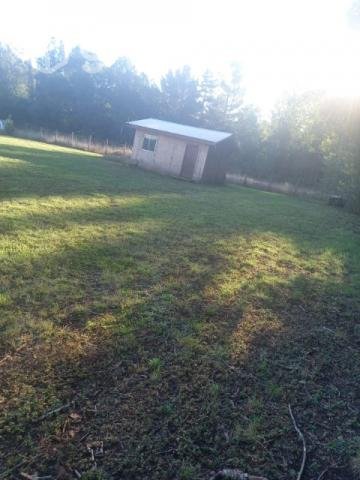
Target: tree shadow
(187,378)
(190,316)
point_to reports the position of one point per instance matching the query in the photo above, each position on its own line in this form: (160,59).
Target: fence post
(56,136)
(72,139)
(107,146)
(89,144)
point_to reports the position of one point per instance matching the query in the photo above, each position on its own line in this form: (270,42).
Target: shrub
(9,126)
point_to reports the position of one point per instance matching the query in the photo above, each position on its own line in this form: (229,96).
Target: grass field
(180,320)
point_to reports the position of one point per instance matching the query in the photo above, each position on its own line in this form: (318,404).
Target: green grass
(181,318)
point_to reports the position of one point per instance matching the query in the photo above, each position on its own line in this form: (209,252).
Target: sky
(282,46)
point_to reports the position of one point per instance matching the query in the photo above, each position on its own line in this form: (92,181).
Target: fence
(278,187)
(89,143)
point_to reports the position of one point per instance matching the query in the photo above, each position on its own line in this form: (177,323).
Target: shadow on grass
(186,378)
(189,321)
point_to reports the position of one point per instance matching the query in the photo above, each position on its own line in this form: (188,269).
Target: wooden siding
(168,155)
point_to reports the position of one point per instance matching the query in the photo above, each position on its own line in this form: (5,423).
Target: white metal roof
(202,134)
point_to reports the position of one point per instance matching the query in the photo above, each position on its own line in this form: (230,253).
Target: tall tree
(54,58)
(311,140)
(16,83)
(180,96)
(209,89)
(232,96)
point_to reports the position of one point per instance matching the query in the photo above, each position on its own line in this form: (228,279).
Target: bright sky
(282,45)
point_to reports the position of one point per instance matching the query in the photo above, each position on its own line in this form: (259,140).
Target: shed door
(189,161)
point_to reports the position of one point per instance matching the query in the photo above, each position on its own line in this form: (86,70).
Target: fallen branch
(302,438)
(234,474)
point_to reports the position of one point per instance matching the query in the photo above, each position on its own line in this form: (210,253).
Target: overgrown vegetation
(9,126)
(180,319)
(74,141)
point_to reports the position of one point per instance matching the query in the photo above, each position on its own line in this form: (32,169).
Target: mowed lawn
(178,320)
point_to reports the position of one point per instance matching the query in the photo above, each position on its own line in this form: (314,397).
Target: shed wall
(201,160)
(168,155)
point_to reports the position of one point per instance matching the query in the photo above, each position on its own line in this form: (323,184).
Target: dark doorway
(190,157)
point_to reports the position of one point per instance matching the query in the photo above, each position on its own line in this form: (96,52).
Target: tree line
(310,140)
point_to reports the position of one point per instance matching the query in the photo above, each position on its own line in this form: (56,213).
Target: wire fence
(90,144)
(87,143)
(278,187)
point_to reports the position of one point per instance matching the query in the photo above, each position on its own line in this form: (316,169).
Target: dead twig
(234,474)
(55,411)
(35,476)
(83,437)
(302,438)
(322,474)
(91,451)
(15,467)
(23,462)
(10,355)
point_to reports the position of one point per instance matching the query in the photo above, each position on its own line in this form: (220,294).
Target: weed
(155,367)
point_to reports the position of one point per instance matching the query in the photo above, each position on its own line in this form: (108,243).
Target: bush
(9,126)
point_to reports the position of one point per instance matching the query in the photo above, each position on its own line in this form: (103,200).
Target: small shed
(179,150)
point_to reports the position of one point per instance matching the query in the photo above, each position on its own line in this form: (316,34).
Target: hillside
(172,322)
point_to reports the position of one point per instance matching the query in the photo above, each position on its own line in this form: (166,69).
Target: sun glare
(282,46)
